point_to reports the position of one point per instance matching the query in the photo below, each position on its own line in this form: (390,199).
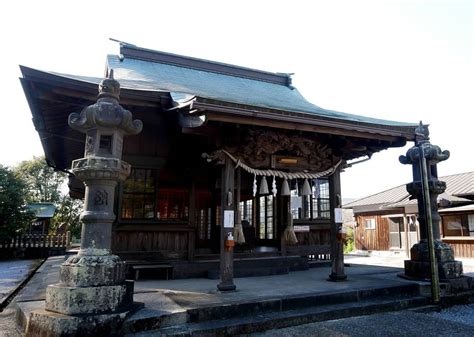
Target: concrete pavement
(12,274)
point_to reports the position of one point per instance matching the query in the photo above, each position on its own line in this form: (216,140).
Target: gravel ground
(459,313)
(392,324)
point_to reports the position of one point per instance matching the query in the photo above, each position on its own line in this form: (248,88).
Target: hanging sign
(228,219)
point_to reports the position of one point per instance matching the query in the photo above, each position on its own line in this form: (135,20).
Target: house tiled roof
(458,185)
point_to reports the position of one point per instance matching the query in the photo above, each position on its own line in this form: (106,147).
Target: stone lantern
(418,267)
(93,296)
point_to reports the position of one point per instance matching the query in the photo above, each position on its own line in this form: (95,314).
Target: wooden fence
(35,245)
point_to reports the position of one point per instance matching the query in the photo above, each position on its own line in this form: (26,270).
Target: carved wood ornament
(258,146)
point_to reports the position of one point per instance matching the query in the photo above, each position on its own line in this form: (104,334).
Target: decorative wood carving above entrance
(258,147)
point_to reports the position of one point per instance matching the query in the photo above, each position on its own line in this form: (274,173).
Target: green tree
(14,214)
(44,183)
(349,241)
(68,212)
(47,185)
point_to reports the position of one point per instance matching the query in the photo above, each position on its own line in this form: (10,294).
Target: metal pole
(429,226)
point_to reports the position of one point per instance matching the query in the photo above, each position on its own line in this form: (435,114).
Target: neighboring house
(458,229)
(194,112)
(386,221)
(44,211)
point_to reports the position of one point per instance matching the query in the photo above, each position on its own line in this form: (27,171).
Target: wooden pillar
(192,221)
(285,220)
(337,246)
(238,219)
(227,215)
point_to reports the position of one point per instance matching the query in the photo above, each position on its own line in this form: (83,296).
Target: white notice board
(228,219)
(338,215)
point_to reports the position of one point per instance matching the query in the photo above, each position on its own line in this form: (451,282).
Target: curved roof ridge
(139,53)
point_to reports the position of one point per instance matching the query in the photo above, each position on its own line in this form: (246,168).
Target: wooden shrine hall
(232,164)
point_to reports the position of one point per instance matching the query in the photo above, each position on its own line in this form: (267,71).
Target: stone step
(311,307)
(280,319)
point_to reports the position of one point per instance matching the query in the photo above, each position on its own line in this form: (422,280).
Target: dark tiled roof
(144,69)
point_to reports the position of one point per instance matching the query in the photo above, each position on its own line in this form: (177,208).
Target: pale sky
(401,60)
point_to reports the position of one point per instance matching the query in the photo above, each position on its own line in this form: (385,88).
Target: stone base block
(88,300)
(460,284)
(44,323)
(419,265)
(420,251)
(422,270)
(93,271)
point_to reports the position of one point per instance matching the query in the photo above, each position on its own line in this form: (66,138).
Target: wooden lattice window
(246,210)
(141,199)
(265,218)
(314,206)
(138,198)
(204,215)
(172,204)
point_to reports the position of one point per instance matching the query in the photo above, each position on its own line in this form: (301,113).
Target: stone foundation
(419,265)
(92,270)
(44,323)
(88,300)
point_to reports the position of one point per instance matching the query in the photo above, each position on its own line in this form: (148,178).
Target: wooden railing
(37,241)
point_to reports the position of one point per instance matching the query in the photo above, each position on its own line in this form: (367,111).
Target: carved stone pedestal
(419,265)
(92,298)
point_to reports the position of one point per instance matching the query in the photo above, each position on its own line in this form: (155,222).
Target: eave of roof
(465,208)
(141,89)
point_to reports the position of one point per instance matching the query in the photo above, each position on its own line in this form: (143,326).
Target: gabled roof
(457,186)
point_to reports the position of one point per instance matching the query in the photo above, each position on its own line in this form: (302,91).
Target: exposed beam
(283,123)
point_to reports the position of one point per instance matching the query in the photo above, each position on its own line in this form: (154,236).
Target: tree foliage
(14,214)
(47,185)
(44,184)
(68,212)
(349,241)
